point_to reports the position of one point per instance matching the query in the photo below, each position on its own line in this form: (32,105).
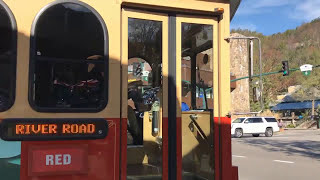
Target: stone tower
(239,57)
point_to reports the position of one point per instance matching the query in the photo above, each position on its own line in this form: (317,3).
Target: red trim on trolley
(24,161)
(235,175)
(123,149)
(216,148)
(103,156)
(226,148)
(228,172)
(179,149)
(107,150)
(117,149)
(165,148)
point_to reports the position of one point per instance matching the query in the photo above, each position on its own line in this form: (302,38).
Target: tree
(310,90)
(299,46)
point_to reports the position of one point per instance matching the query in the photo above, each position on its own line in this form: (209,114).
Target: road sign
(306,73)
(306,69)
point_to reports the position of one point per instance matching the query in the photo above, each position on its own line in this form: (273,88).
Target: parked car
(254,126)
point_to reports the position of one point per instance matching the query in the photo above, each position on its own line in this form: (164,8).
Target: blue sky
(273,16)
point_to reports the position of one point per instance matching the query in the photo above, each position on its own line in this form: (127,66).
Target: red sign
(54,160)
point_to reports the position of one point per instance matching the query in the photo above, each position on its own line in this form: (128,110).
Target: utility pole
(312,111)
(250,60)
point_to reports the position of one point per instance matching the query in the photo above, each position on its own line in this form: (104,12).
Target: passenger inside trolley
(160,56)
(73,53)
(77,91)
(142,98)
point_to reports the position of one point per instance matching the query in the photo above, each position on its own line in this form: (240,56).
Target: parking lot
(289,155)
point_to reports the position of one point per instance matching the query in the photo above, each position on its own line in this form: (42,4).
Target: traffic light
(285,68)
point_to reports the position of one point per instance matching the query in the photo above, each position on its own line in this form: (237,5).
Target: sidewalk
(300,129)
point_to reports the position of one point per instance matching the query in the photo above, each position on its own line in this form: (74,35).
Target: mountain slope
(299,46)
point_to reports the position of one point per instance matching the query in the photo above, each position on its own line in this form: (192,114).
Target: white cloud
(250,7)
(306,10)
(247,11)
(301,9)
(248,26)
(269,3)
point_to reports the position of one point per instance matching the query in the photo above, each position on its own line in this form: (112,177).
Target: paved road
(289,155)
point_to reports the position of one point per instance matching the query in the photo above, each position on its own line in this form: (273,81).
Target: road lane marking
(238,156)
(289,162)
(281,137)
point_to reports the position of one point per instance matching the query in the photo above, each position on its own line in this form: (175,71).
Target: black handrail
(200,130)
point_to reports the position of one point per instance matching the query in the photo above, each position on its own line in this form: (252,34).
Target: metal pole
(260,72)
(251,60)
(194,82)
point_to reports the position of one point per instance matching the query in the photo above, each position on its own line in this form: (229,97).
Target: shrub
(291,126)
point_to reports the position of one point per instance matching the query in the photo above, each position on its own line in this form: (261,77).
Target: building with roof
(298,108)
(292,104)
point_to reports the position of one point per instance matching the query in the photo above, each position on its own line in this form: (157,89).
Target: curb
(298,129)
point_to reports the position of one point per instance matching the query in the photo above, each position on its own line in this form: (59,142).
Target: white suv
(254,126)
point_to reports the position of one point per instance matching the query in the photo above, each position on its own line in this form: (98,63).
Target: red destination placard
(54,160)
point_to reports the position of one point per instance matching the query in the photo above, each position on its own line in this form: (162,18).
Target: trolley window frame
(33,60)
(214,22)
(13,58)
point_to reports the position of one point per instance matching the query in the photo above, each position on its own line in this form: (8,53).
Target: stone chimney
(239,57)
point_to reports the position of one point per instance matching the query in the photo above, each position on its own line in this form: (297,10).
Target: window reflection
(9,151)
(197,101)
(70,63)
(7,61)
(197,66)
(144,98)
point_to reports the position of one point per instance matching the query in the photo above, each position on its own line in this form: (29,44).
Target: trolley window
(197,66)
(7,59)
(69,60)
